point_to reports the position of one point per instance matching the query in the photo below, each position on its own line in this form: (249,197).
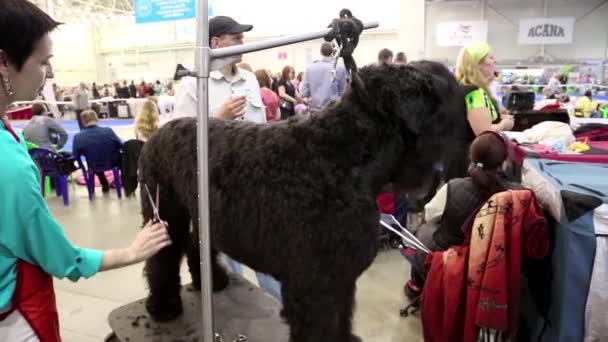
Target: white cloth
(15,328)
(550,133)
(596,311)
(433,211)
(244,83)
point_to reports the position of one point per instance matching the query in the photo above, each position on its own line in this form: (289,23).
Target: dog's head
(422,102)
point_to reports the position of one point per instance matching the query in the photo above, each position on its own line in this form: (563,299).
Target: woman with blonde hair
(475,71)
(147,121)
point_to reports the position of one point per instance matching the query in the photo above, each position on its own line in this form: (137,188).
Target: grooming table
(242,308)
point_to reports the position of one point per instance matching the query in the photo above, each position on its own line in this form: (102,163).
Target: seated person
(457,200)
(43,130)
(585,106)
(93,134)
(549,100)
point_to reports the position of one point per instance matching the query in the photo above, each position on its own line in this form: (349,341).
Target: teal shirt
(28,231)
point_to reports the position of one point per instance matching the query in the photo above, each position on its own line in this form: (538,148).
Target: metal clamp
(239,338)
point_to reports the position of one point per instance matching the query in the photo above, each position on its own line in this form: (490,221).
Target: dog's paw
(165,311)
(355,338)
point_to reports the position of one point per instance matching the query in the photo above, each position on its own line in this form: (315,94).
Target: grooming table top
(242,308)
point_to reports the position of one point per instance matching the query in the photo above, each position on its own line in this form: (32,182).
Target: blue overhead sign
(150,11)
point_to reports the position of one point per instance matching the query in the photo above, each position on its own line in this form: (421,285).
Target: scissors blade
(156,214)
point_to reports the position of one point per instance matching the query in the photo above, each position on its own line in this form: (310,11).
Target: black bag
(287,105)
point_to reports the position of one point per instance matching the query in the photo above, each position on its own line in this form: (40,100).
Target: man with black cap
(234,93)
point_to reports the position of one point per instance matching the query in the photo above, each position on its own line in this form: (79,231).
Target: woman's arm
(283,94)
(433,211)
(480,120)
(148,242)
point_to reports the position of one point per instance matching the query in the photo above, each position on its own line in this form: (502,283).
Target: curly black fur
(296,199)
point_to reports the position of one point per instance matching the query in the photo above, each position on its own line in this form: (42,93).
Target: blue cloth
(266,282)
(93,135)
(28,231)
(319,85)
(575,244)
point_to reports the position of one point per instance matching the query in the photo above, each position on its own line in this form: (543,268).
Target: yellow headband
(478,50)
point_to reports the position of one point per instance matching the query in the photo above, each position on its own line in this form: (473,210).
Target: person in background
(585,106)
(475,71)
(458,199)
(385,56)
(147,121)
(554,83)
(400,58)
(107,92)
(94,91)
(275,81)
(234,93)
(59,97)
(123,92)
(158,88)
(43,130)
(269,98)
(321,85)
(142,90)
(33,245)
(170,89)
(298,82)
(94,134)
(549,100)
(151,89)
(132,90)
(81,102)
(287,93)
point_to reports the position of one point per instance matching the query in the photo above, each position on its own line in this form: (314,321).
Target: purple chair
(100,157)
(49,165)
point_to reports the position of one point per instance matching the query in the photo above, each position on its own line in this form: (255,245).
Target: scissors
(154,204)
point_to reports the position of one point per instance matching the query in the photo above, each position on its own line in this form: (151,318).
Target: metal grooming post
(204,58)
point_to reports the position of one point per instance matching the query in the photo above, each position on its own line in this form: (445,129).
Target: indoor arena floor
(107,222)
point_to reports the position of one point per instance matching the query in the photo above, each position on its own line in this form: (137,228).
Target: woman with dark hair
(460,198)
(287,92)
(33,246)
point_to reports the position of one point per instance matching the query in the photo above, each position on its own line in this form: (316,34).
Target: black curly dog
(296,199)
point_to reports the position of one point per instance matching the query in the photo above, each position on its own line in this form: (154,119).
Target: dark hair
(22,24)
(38,108)
(263,78)
(401,57)
(385,55)
(487,154)
(285,73)
(327,49)
(588,93)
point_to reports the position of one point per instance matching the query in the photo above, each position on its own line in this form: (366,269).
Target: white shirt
(554,84)
(433,211)
(244,83)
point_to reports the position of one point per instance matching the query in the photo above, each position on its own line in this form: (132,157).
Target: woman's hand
(151,239)
(507,122)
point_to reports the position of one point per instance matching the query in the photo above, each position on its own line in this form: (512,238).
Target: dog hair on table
(297,199)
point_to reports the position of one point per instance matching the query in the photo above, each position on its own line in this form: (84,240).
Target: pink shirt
(271,100)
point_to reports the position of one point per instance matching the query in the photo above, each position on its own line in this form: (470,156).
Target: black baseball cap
(225,25)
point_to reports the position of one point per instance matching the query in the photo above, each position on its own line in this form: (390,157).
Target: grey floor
(108,222)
